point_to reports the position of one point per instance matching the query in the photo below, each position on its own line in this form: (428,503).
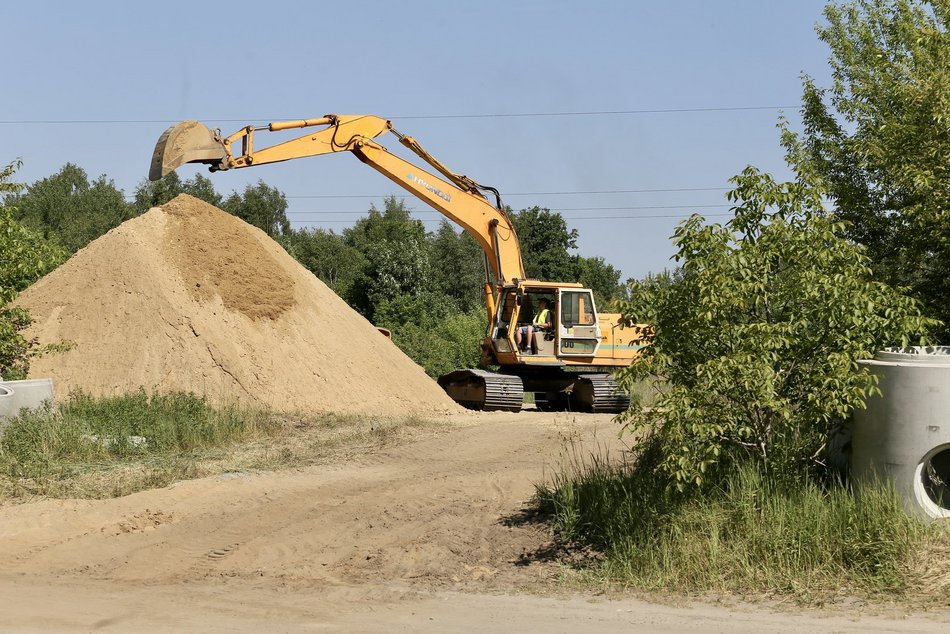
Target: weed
(106,447)
(750,534)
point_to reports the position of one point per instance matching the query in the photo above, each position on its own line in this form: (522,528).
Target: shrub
(756,340)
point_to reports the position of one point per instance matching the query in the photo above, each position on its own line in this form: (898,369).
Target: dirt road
(425,536)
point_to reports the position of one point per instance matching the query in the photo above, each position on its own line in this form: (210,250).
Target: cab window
(577,309)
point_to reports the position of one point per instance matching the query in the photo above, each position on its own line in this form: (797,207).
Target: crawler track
(483,390)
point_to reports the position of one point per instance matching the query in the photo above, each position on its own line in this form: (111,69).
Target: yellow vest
(542,317)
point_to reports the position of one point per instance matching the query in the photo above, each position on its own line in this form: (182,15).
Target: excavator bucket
(185,142)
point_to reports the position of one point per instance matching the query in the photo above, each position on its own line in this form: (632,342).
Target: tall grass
(750,534)
(105,447)
(158,436)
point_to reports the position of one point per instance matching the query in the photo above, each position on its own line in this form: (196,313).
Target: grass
(749,535)
(107,447)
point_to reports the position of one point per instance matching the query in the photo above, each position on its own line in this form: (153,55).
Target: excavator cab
(575,332)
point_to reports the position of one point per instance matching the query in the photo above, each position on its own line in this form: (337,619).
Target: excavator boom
(459,198)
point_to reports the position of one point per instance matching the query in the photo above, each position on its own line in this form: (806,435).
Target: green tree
(326,255)
(201,187)
(755,342)
(458,267)
(150,194)
(433,332)
(546,243)
(260,205)
(395,253)
(67,209)
(602,278)
(879,138)
(24,257)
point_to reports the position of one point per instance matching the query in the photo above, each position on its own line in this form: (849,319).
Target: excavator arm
(456,196)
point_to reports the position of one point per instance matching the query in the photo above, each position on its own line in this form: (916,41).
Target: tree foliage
(433,332)
(24,257)
(546,243)
(599,276)
(150,194)
(326,255)
(458,267)
(260,205)
(67,209)
(547,246)
(755,340)
(879,138)
(395,256)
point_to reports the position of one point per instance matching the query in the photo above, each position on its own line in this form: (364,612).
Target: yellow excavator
(564,356)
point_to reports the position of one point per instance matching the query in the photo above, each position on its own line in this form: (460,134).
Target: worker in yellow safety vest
(541,322)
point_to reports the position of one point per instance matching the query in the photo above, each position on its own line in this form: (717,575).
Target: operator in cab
(524,336)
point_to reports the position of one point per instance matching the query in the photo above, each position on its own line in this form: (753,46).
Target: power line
(642,217)
(507,194)
(487,115)
(432,211)
(578,218)
(595,112)
(555,193)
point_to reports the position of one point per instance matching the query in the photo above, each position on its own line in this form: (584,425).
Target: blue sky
(96,83)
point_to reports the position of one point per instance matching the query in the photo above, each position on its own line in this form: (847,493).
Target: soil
(431,535)
(217,256)
(188,297)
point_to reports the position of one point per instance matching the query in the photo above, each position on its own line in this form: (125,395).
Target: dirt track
(425,536)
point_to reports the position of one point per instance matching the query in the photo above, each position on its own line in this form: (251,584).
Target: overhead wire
(486,115)
(551,193)
(554,209)
(572,218)
(474,116)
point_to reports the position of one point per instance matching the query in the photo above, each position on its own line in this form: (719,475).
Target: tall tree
(260,205)
(546,243)
(600,277)
(67,209)
(396,254)
(201,187)
(879,138)
(546,247)
(458,266)
(150,194)
(328,256)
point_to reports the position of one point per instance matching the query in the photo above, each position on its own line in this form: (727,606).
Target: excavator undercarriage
(554,389)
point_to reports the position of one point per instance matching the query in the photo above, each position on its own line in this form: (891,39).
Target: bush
(433,332)
(121,429)
(754,343)
(24,257)
(749,533)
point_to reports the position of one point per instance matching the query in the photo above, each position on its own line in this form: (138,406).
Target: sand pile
(188,297)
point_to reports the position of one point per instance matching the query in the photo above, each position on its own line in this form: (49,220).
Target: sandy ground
(426,536)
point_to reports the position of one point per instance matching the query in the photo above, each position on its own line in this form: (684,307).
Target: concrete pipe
(27,394)
(904,434)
